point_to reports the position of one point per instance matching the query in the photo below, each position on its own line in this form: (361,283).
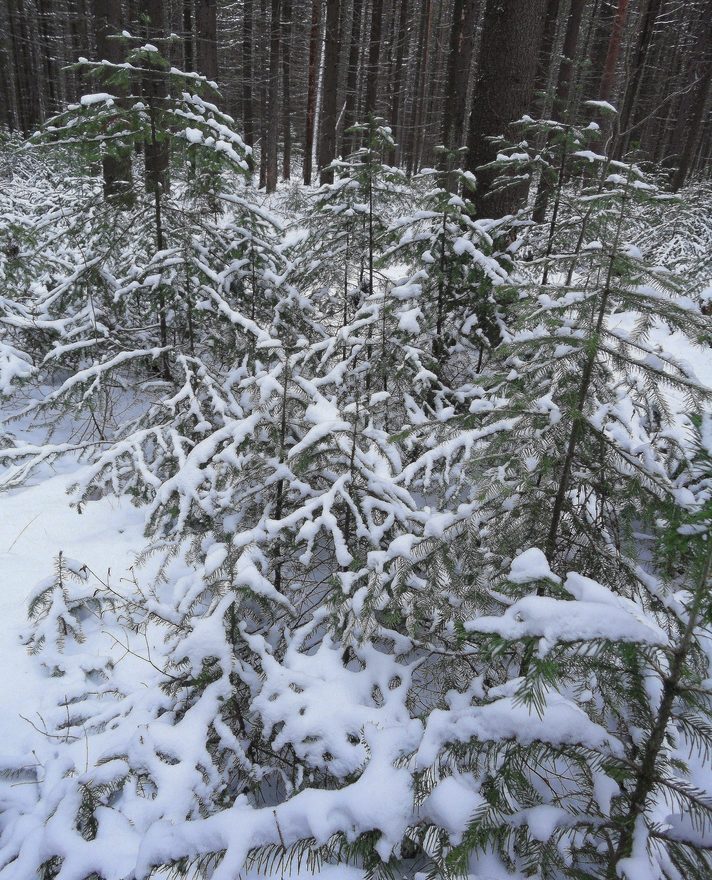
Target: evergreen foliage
(425,587)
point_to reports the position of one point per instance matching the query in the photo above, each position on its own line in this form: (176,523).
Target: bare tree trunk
(504,89)
(155,90)
(248,110)
(262,66)
(561,100)
(188,55)
(374,51)
(327,126)
(608,77)
(273,100)
(311,90)
(286,89)
(352,74)
(451,84)
(548,39)
(402,37)
(632,86)
(207,43)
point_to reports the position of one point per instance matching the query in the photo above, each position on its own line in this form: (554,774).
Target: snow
(346,623)
(529,566)
(452,805)
(98,98)
(36,523)
(601,105)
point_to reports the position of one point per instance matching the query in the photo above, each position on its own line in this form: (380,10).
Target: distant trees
(297,74)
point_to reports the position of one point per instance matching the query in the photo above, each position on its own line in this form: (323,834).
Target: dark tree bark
(248,112)
(451,84)
(608,77)
(188,55)
(693,110)
(286,88)
(633,85)
(51,71)
(263,43)
(352,75)
(561,99)
(568,59)
(207,43)
(155,89)
(417,95)
(273,99)
(504,89)
(8,108)
(327,123)
(27,95)
(462,40)
(402,35)
(548,39)
(374,52)
(311,89)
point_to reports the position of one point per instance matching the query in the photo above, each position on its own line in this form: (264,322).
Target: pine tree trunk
(248,111)
(374,51)
(286,89)
(262,66)
(188,55)
(548,40)
(692,113)
(273,100)
(420,67)
(327,123)
(462,75)
(155,89)
(510,49)
(352,75)
(311,90)
(634,82)
(608,77)
(47,38)
(561,101)
(207,43)
(451,84)
(402,35)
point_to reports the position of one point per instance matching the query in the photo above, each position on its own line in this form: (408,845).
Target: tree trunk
(327,127)
(374,52)
(207,43)
(504,89)
(403,33)
(608,77)
(248,112)
(451,84)
(548,40)
(633,85)
(352,74)
(286,89)
(561,100)
(273,100)
(311,90)
(155,90)
(188,56)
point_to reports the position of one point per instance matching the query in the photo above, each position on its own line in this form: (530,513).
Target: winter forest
(355,439)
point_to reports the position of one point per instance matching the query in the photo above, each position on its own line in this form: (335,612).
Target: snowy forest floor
(38,522)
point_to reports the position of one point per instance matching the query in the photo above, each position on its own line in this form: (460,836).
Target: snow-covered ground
(37,521)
